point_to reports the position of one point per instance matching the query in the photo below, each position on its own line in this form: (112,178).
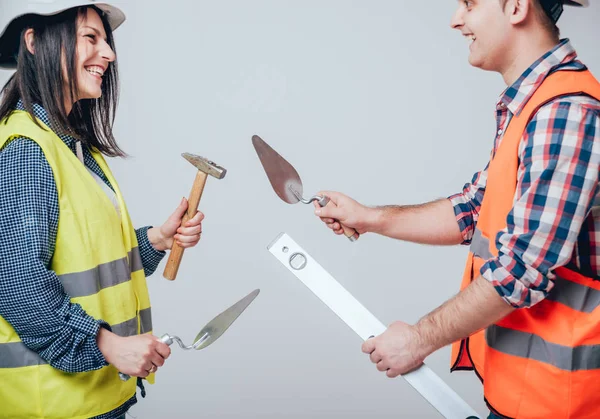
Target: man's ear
(518,10)
(29,35)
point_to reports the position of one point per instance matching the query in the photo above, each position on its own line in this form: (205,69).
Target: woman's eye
(91,36)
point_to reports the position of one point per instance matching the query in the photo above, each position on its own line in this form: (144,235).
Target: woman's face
(93,56)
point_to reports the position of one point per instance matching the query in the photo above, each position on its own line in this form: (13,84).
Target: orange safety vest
(543,361)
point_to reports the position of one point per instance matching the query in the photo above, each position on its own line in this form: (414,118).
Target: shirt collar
(40,113)
(562,56)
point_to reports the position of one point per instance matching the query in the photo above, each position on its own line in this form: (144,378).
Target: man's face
(487,29)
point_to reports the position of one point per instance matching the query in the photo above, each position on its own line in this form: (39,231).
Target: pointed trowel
(286,182)
(213,329)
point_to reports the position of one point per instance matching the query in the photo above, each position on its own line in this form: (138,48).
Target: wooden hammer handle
(193,201)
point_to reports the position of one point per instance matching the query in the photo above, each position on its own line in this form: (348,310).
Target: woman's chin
(91,95)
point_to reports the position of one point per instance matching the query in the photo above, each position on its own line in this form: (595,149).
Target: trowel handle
(164,339)
(349,232)
(176,252)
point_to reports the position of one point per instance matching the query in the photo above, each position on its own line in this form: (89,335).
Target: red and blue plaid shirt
(555,220)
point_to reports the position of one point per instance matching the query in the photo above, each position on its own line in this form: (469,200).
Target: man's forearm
(473,309)
(430,223)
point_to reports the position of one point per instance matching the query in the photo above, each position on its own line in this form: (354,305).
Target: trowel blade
(281,174)
(217,326)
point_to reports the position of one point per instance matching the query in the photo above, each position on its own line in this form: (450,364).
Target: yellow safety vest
(97,260)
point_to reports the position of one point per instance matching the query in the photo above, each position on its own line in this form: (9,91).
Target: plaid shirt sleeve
(558,181)
(468,203)
(150,256)
(32,299)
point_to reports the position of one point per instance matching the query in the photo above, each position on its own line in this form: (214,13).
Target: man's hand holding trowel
(346,212)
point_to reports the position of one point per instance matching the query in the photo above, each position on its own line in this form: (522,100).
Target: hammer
(205,167)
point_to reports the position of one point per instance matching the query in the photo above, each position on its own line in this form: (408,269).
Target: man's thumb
(328,211)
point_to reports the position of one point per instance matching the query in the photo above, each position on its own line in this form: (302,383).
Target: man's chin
(474,61)
(479,63)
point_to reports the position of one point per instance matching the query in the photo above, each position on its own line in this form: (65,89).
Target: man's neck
(526,53)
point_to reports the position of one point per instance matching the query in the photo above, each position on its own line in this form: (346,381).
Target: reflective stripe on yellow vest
(97,260)
(544,361)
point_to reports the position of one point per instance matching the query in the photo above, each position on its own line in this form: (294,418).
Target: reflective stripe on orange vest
(543,361)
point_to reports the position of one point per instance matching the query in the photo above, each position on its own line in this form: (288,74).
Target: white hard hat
(12,21)
(580,3)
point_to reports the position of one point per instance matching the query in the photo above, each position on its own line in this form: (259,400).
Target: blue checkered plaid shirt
(32,299)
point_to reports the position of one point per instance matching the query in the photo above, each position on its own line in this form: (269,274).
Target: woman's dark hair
(39,79)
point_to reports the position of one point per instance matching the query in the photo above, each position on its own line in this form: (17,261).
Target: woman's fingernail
(318,211)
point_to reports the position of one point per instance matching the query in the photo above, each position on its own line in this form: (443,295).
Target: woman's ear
(29,35)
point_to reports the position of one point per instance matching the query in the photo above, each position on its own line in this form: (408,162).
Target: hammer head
(205,165)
